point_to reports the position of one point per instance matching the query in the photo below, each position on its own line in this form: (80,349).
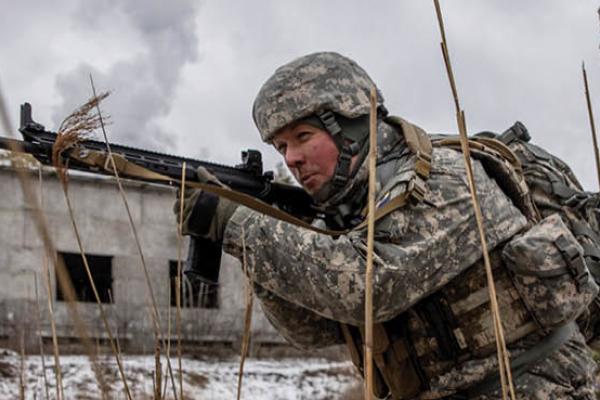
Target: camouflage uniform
(309,283)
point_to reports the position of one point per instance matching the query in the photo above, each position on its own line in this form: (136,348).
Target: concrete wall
(105,230)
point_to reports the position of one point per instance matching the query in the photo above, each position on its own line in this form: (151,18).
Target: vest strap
(521,363)
(418,142)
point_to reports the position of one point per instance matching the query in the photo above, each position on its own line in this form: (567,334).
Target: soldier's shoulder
(445,159)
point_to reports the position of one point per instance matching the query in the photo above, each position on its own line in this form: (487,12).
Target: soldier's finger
(205,176)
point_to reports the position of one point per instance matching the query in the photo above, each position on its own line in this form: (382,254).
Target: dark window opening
(193,293)
(101,269)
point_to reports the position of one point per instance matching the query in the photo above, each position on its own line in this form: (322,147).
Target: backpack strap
(502,164)
(418,142)
(523,361)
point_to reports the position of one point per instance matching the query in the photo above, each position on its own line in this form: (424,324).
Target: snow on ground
(285,379)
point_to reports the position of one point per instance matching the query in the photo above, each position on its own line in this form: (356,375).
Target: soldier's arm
(300,326)
(418,249)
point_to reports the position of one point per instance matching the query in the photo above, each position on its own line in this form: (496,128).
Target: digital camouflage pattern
(312,83)
(567,373)
(546,276)
(555,189)
(305,329)
(307,281)
(418,249)
(310,282)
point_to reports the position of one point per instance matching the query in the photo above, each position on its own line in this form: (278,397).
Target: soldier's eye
(304,135)
(281,148)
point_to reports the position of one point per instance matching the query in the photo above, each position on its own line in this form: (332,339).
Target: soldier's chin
(312,186)
(321,193)
(310,190)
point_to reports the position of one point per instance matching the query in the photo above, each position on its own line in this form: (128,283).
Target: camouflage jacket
(418,249)
(308,282)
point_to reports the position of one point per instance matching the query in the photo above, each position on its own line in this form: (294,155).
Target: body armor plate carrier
(454,325)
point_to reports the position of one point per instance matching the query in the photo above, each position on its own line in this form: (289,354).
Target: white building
(115,264)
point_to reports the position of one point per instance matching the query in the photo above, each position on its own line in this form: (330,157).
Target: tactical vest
(442,332)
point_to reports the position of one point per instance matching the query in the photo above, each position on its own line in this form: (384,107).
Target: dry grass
(19,160)
(76,127)
(85,110)
(247,316)
(506,381)
(79,125)
(178,280)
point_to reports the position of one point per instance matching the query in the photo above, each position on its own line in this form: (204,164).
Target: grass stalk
(112,301)
(169,325)
(154,314)
(22,362)
(503,357)
(92,352)
(88,272)
(55,348)
(247,316)
(368,362)
(38,317)
(180,277)
(41,226)
(592,123)
(46,274)
(157,371)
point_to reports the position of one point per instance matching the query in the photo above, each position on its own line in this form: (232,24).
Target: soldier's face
(309,152)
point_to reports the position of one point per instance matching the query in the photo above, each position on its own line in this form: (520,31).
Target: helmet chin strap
(350,137)
(349,141)
(347,147)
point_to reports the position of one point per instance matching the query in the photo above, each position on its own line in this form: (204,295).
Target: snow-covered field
(287,379)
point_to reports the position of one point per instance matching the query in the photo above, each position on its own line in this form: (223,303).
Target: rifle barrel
(247,177)
(19,145)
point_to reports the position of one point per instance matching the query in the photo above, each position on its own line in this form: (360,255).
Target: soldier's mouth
(307,178)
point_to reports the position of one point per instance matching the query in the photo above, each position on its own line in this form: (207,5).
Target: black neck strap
(347,149)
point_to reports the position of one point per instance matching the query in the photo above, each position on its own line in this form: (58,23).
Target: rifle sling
(415,192)
(101,160)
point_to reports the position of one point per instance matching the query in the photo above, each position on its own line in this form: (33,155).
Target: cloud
(145,83)
(184,76)
(512,61)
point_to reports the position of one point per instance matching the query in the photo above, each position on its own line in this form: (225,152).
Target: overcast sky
(183,74)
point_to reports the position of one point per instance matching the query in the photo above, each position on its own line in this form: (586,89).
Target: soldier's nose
(294,157)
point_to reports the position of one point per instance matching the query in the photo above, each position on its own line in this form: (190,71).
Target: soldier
(433,326)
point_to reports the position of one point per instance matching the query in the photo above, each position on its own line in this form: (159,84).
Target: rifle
(247,177)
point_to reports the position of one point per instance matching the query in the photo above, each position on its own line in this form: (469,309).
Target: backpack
(540,184)
(554,188)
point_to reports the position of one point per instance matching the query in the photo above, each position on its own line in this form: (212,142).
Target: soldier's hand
(204,214)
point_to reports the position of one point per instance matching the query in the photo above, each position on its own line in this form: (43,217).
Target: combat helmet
(325,85)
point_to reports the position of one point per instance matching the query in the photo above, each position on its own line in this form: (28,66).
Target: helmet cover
(317,82)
